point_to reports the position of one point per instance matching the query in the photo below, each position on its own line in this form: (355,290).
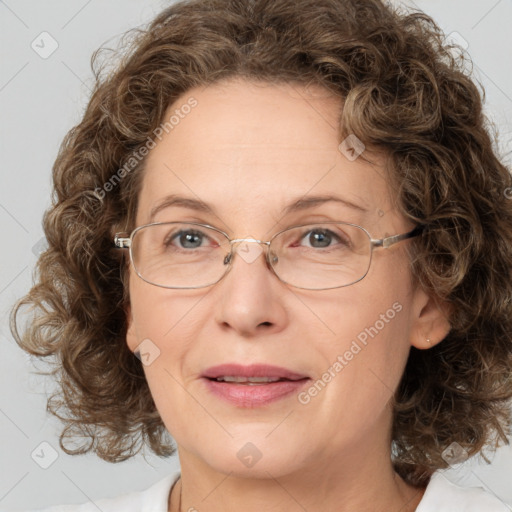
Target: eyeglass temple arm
(121,242)
(390,240)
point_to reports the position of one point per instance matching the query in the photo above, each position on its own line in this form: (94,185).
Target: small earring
(428,341)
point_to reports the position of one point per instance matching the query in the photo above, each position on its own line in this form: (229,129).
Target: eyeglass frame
(121,242)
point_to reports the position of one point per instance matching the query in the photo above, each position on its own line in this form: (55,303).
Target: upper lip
(253,370)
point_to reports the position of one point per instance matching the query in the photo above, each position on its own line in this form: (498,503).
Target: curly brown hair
(404,92)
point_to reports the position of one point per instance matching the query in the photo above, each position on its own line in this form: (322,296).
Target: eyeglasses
(311,256)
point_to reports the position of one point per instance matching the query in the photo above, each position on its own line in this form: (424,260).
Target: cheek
(372,341)
(375,334)
(364,347)
(162,314)
(361,370)
(362,314)
(164,325)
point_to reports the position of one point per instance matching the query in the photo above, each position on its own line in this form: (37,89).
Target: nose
(250,296)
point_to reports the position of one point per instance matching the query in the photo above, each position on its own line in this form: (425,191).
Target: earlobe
(131,338)
(431,322)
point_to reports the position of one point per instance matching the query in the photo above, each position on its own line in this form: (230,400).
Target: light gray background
(41,99)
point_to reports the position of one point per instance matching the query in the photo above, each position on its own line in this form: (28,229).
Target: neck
(341,483)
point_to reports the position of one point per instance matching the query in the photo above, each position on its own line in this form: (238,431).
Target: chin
(255,456)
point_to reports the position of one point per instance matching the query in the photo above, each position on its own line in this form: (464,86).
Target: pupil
(188,238)
(321,238)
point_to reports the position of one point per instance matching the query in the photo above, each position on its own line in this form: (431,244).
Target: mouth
(251,381)
(254,385)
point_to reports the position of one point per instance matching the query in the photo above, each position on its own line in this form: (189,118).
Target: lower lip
(246,395)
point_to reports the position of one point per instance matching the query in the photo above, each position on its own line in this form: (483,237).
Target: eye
(319,238)
(187,239)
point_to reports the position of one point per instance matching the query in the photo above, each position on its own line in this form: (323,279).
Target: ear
(131,337)
(430,322)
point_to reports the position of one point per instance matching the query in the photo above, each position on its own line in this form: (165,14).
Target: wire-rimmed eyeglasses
(319,256)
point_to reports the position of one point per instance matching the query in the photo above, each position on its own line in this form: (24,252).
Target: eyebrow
(300,204)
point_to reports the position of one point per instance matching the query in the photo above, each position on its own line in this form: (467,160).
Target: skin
(249,150)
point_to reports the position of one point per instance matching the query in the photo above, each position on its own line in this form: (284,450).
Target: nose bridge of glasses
(239,245)
(247,248)
(253,240)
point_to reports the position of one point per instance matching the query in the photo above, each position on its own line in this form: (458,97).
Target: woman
(281,235)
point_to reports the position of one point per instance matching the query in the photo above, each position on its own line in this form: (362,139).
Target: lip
(257,395)
(253,370)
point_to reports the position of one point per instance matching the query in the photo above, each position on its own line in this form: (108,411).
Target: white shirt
(441,495)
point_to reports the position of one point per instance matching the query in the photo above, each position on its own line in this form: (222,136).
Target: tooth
(234,379)
(247,380)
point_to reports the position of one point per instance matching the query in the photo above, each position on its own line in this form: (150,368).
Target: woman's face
(249,151)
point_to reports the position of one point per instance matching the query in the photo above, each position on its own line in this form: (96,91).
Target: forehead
(252,148)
